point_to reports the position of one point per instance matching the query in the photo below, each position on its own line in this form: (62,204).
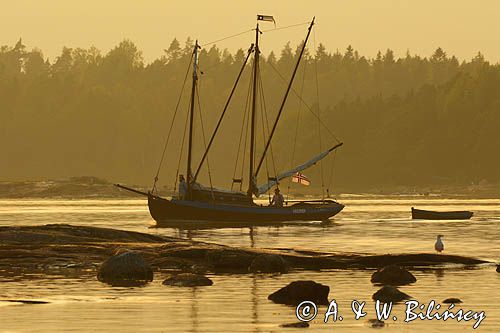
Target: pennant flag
(301,179)
(267,18)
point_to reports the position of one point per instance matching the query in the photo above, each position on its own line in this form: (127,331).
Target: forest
(413,121)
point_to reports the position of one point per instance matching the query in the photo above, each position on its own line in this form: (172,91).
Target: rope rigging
(296,128)
(245,121)
(228,37)
(288,26)
(250,30)
(248,113)
(265,125)
(255,103)
(182,150)
(171,126)
(319,119)
(250,50)
(306,105)
(204,141)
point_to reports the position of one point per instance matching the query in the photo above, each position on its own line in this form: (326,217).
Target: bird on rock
(439,246)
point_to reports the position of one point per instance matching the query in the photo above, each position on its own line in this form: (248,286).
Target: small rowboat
(419,214)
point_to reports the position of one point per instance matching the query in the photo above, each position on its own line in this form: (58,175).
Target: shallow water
(238,303)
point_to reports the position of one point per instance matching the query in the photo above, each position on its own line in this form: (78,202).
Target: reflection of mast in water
(252,240)
(194,311)
(255,303)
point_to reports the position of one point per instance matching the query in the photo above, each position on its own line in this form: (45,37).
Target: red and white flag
(301,179)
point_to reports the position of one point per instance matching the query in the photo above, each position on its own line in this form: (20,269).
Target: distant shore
(88,187)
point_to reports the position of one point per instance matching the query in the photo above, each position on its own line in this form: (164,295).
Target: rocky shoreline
(67,250)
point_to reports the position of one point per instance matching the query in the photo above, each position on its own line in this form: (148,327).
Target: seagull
(439,246)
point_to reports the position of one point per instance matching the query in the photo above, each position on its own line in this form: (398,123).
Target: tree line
(405,121)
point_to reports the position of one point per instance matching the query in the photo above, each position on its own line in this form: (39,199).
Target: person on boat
(278,198)
(182,187)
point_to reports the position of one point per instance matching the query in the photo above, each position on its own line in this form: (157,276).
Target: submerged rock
(188,280)
(393,275)
(268,263)
(452,300)
(125,269)
(388,294)
(300,324)
(298,291)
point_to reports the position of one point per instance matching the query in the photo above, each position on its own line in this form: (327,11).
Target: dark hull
(419,214)
(192,213)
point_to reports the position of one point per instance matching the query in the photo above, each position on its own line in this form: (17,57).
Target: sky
(460,27)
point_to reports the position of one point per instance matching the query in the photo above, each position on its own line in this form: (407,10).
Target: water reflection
(238,303)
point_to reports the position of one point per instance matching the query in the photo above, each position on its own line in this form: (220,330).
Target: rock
(498,268)
(300,324)
(375,323)
(25,301)
(125,269)
(452,300)
(393,275)
(268,263)
(388,294)
(188,280)
(298,291)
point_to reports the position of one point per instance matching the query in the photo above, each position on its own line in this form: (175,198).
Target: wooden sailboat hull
(182,212)
(419,214)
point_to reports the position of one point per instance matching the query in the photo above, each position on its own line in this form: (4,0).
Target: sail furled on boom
(265,187)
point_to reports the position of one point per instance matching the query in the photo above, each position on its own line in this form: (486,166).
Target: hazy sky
(460,27)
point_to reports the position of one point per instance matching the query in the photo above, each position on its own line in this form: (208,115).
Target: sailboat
(197,203)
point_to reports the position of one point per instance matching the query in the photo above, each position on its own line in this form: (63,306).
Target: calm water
(238,303)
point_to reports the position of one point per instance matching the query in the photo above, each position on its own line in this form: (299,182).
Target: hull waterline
(180,212)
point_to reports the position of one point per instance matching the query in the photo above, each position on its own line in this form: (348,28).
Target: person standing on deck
(278,199)
(182,187)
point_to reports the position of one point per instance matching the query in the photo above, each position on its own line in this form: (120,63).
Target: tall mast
(254,103)
(191,118)
(284,98)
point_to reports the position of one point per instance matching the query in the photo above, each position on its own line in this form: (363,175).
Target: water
(238,303)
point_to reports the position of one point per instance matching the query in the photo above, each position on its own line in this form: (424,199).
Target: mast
(284,99)
(254,101)
(191,118)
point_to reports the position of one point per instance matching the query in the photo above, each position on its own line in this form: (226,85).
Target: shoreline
(97,188)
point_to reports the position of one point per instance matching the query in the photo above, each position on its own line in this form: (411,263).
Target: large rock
(188,280)
(268,263)
(298,291)
(125,269)
(388,294)
(393,275)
